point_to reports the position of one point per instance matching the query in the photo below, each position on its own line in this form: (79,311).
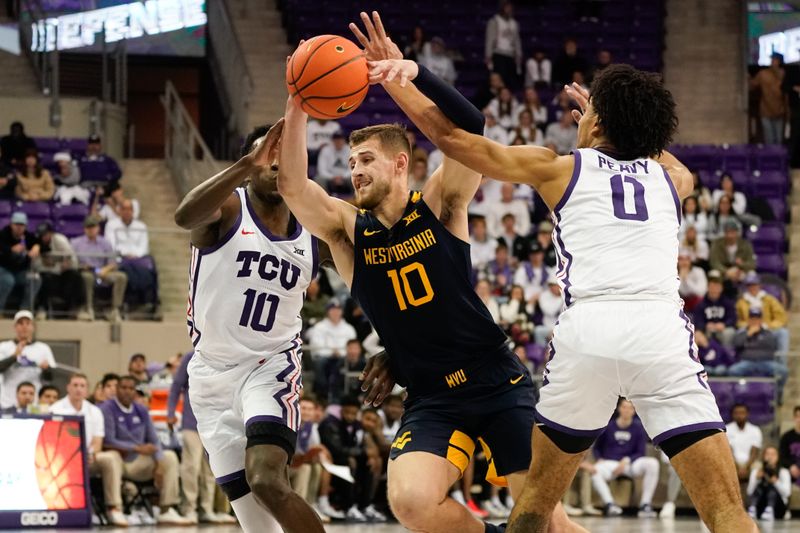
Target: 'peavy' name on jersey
(617,167)
(269,267)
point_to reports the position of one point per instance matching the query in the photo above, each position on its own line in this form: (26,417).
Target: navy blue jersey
(414,283)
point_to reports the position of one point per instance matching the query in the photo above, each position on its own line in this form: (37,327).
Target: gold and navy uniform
(413,281)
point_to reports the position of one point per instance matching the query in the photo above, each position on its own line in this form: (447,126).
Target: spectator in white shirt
(494,131)
(538,69)
(327,342)
(503,49)
(532,103)
(436,60)
(101,462)
(769,488)
(68,181)
(727,187)
(693,216)
(319,133)
(113,201)
(696,247)
(694,284)
(505,108)
(532,275)
(550,303)
(484,291)
(527,130)
(562,136)
(128,236)
(23,359)
(332,165)
(482,247)
(508,204)
(745,439)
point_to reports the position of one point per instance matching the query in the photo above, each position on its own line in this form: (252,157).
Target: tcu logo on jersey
(268,267)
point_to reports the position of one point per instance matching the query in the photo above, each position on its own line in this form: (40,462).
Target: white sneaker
(509,503)
(668,511)
(373,515)
(223,518)
(116,518)
(191,517)
(752,511)
(646,511)
(788,514)
(355,515)
(325,519)
(458,496)
(172,517)
(588,510)
(612,509)
(572,511)
(327,509)
(495,510)
(768,515)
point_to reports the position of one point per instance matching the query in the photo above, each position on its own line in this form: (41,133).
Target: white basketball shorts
(642,350)
(226,400)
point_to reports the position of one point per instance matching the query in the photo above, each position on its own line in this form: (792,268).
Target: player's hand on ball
(267,150)
(378,45)
(376,379)
(388,70)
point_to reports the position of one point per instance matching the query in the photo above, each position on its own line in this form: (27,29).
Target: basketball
(327,76)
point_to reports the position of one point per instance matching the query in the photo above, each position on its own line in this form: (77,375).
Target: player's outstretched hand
(377,380)
(378,45)
(267,151)
(581,97)
(388,70)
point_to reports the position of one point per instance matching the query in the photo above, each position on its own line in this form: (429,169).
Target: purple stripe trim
(687,429)
(228,236)
(194,301)
(288,388)
(674,195)
(564,429)
(231,477)
(576,170)
(314,257)
(267,233)
(565,266)
(265,418)
(688,326)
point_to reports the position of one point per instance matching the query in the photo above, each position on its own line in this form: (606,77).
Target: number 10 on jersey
(255,317)
(402,287)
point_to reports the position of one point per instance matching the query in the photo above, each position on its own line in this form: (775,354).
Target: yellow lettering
(450,381)
(456,378)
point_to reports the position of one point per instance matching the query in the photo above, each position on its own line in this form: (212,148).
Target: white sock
(496,500)
(323,500)
(252,517)
(458,496)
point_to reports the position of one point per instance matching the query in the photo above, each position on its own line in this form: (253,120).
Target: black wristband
(452,103)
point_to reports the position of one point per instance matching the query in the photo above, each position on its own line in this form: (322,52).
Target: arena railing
(229,69)
(186,154)
(44,63)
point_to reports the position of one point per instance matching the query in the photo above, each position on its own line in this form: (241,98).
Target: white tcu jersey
(245,293)
(616,230)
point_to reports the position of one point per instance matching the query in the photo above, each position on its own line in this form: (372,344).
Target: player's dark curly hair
(635,110)
(258,131)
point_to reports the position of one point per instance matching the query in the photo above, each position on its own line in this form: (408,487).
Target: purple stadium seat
(48,144)
(70,228)
(33,209)
(5,208)
(70,212)
(778,206)
(769,183)
(769,239)
(771,263)
(535,354)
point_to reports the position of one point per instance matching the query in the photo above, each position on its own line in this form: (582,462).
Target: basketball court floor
(595,525)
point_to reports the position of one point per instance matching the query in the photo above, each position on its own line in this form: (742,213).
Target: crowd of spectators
(70,233)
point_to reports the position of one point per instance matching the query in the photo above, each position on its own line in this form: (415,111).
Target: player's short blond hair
(391,136)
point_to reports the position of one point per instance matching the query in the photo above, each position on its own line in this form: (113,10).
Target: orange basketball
(327,76)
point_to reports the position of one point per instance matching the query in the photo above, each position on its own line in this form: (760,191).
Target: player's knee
(411,508)
(269,488)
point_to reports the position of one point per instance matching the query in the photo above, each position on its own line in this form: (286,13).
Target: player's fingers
(581,89)
(371,394)
(376,18)
(576,115)
(367,374)
(386,387)
(369,27)
(392,74)
(360,36)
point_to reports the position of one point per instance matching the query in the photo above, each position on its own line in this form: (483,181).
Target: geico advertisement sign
(44,518)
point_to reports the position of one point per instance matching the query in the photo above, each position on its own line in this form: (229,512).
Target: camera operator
(769,487)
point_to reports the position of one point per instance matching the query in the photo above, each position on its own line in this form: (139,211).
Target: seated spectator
(532,103)
(693,282)
(34,183)
(728,188)
(98,168)
(23,404)
(68,181)
(550,303)
(514,318)
(773,313)
(693,216)
(696,248)
(489,91)
(484,291)
(702,194)
(327,341)
(130,432)
(48,395)
(98,264)
(508,204)
(527,130)
(107,388)
(517,244)
(128,236)
(18,249)
(417,45)
(562,136)
(16,145)
(8,180)
(715,358)
(769,488)
(604,59)
(346,383)
(58,267)
(344,439)
(391,412)
(790,448)
(101,462)
(417,151)
(319,133)
(538,70)
(505,108)
(419,175)
(544,235)
(563,105)
(715,315)
(435,59)
(112,198)
(732,255)
(23,359)
(137,367)
(499,272)
(532,275)
(620,451)
(722,216)
(756,347)
(332,164)
(305,471)
(494,131)
(568,62)
(314,304)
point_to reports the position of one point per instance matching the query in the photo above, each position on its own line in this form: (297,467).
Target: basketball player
(251,264)
(616,207)
(407,263)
